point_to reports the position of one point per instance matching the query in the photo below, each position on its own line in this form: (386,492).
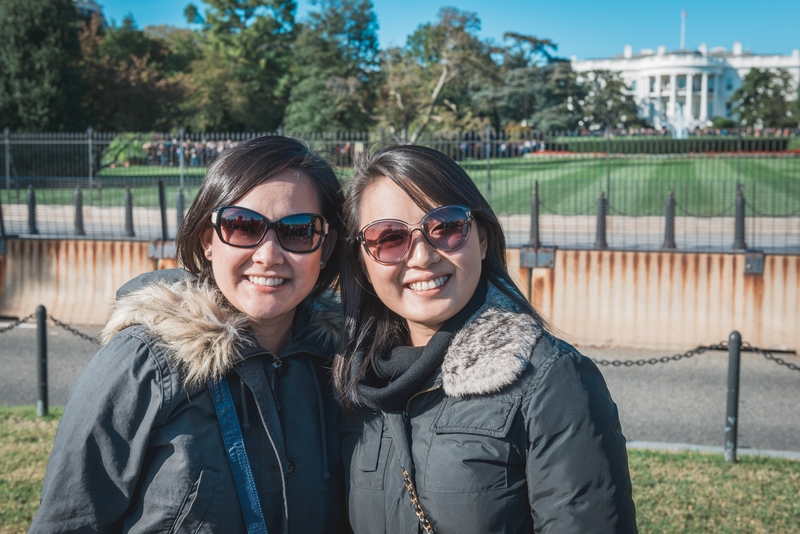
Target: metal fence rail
(106,186)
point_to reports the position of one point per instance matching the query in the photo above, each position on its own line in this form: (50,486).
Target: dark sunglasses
(244,228)
(388,241)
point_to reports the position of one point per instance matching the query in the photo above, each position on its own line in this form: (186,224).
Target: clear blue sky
(587,29)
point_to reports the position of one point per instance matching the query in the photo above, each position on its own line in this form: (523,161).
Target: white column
(673,96)
(659,102)
(687,109)
(704,98)
(718,111)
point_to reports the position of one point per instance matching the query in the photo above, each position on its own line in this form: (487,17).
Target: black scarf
(395,377)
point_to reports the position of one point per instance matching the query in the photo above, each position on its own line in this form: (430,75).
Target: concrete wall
(662,300)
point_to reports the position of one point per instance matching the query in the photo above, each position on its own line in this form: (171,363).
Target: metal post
(488,159)
(2,227)
(91,163)
(162,202)
(79,229)
(669,227)
(602,210)
(732,415)
(534,240)
(608,163)
(383,142)
(32,211)
(41,359)
(179,209)
(738,233)
(7,159)
(129,213)
(181,154)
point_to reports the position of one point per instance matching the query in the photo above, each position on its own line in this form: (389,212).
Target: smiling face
(266,282)
(428,286)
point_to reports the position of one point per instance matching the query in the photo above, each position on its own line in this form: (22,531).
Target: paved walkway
(663,405)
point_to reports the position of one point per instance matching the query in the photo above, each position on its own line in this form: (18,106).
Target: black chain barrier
(664,359)
(768,355)
(71,330)
(16,323)
(746,347)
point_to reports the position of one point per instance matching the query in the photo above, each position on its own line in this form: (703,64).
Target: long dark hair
(431,179)
(240,168)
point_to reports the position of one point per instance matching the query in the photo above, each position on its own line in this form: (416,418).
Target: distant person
(468,416)
(240,345)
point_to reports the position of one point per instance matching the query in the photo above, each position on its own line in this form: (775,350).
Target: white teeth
(428,285)
(261,281)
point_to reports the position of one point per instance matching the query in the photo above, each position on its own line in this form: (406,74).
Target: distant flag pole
(683,30)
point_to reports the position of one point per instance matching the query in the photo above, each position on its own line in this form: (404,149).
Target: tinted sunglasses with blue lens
(244,228)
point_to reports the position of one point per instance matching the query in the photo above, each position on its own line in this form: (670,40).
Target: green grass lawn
(674,492)
(568,185)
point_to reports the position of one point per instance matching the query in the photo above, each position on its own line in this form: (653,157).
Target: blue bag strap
(237,456)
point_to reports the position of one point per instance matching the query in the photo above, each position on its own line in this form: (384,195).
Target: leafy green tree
(40,82)
(249,41)
(127,90)
(533,88)
(607,102)
(764,100)
(429,79)
(334,67)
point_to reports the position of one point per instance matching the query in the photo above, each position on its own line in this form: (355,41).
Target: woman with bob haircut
(467,415)
(209,406)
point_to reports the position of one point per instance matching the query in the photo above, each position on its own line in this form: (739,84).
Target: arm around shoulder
(102,439)
(577,463)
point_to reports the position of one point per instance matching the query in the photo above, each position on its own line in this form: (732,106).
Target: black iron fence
(135,186)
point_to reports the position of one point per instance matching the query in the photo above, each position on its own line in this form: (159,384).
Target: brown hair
(240,168)
(431,179)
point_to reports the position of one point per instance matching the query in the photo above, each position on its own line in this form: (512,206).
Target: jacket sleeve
(102,439)
(577,463)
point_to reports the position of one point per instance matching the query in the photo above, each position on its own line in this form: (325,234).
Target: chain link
(665,359)
(71,330)
(423,519)
(16,323)
(768,355)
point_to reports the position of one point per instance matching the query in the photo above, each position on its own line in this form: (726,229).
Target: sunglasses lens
(299,233)
(387,241)
(241,227)
(447,228)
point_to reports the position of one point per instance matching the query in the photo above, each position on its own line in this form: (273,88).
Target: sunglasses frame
(216,220)
(361,238)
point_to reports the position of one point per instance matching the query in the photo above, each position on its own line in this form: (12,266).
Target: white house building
(685,89)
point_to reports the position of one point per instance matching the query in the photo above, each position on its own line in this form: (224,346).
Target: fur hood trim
(201,332)
(491,350)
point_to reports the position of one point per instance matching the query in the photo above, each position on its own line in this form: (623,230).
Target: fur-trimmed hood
(203,334)
(492,348)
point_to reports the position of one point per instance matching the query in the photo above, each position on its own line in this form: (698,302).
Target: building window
(727,109)
(729,84)
(633,85)
(711,83)
(652,84)
(681,82)
(697,83)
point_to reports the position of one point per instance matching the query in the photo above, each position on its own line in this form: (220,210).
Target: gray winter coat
(139,447)
(515,433)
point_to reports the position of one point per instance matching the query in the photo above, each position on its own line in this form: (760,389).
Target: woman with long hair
(467,415)
(209,406)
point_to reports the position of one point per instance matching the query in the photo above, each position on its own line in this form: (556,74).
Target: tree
(40,83)
(607,102)
(533,88)
(334,67)
(429,79)
(127,90)
(248,43)
(764,100)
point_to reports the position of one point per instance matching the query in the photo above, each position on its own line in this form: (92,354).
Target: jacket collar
(204,335)
(491,350)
